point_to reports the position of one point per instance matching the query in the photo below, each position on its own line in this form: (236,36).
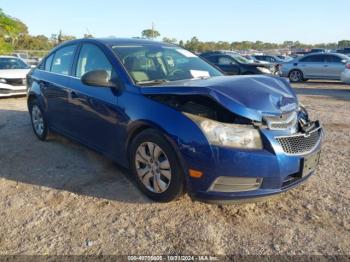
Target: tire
(155,167)
(296,76)
(38,120)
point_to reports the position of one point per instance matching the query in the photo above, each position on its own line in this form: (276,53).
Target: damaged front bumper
(248,175)
(10,90)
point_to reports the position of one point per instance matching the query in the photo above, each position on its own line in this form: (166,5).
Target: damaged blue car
(177,122)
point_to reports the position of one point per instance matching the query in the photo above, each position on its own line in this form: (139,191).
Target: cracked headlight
(264,70)
(228,135)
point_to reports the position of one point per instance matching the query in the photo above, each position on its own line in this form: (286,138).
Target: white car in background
(13,72)
(345,75)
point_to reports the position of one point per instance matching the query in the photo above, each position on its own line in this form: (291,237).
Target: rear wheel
(155,167)
(38,120)
(296,76)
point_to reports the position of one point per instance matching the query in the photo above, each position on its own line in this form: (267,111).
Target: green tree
(169,40)
(28,42)
(150,33)
(62,37)
(11,29)
(193,44)
(344,43)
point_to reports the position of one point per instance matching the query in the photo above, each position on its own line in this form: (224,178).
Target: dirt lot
(57,197)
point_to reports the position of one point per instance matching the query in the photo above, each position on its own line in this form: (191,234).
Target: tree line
(14,35)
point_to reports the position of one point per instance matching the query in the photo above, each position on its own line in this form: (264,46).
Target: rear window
(333,59)
(62,60)
(48,63)
(313,59)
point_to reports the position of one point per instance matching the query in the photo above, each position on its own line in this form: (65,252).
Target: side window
(313,59)
(224,60)
(271,59)
(213,59)
(92,58)
(333,59)
(48,63)
(63,59)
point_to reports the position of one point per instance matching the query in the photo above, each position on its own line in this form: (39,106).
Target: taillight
(347,66)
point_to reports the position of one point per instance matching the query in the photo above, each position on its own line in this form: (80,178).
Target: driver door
(93,111)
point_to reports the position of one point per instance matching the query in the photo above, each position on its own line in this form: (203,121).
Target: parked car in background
(317,50)
(13,73)
(177,122)
(233,64)
(345,51)
(327,66)
(28,60)
(252,59)
(345,75)
(273,59)
(285,57)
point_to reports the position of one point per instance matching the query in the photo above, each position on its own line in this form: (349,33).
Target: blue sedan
(177,122)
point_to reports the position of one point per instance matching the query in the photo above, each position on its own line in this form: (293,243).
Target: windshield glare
(12,63)
(149,63)
(241,59)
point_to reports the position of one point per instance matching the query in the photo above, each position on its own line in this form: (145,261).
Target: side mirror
(98,78)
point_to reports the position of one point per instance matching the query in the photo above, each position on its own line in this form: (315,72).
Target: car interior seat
(134,66)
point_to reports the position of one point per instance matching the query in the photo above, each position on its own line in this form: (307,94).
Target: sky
(307,21)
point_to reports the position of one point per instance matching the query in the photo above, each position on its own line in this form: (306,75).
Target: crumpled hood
(249,96)
(13,73)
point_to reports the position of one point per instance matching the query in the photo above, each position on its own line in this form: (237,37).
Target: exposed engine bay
(201,106)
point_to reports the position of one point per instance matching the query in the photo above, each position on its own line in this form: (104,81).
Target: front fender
(183,134)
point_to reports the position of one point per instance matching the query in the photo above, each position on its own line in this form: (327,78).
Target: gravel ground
(57,197)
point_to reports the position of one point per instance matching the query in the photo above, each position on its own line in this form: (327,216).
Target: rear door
(312,66)
(333,67)
(54,78)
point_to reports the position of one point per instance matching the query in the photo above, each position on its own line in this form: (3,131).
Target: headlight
(264,70)
(3,81)
(229,135)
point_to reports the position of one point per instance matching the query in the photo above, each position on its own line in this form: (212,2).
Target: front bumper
(278,170)
(9,90)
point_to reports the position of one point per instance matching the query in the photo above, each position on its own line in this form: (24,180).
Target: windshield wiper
(152,82)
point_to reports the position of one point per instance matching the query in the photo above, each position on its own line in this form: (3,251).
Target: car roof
(223,52)
(322,53)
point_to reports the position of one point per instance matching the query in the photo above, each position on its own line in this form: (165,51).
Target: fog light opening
(235,184)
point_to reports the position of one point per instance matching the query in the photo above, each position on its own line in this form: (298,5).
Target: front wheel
(296,76)
(155,166)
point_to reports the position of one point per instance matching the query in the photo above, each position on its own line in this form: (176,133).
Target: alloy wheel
(295,76)
(153,167)
(38,120)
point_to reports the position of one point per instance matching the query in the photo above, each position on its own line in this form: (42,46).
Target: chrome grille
(16,81)
(285,121)
(300,143)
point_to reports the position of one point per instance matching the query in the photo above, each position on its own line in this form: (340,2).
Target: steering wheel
(176,71)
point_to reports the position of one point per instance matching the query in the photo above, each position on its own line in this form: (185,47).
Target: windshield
(241,59)
(12,63)
(150,64)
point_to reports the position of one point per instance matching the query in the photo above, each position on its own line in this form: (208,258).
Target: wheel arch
(141,126)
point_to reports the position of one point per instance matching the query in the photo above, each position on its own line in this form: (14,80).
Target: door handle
(325,66)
